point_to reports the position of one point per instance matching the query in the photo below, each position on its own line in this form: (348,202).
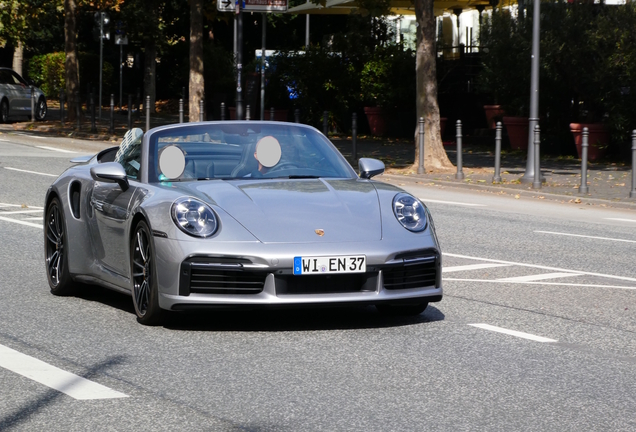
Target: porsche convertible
(238,214)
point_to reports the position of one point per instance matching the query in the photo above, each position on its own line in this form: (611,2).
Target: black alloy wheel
(144,290)
(41,109)
(55,251)
(4,112)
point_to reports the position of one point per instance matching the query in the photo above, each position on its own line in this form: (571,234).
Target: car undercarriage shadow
(292,319)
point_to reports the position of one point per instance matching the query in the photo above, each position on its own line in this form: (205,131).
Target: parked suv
(15,97)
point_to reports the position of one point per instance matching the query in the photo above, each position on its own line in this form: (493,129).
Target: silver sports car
(238,214)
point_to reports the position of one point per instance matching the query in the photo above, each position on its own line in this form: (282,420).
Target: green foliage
(47,72)
(388,78)
(587,69)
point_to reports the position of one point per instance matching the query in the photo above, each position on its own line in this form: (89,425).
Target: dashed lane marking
(471,267)
(20,211)
(68,383)
(56,149)
(513,333)
(453,203)
(585,236)
(31,172)
(556,269)
(21,222)
(622,220)
(20,205)
(538,277)
(539,283)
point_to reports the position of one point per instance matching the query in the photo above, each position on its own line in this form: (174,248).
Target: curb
(521,192)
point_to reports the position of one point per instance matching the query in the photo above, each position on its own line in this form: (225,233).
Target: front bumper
(272,264)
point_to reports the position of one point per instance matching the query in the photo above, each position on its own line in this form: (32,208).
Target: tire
(144,277)
(56,251)
(41,109)
(4,111)
(401,310)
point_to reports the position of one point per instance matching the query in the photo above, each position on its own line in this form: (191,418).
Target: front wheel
(4,111)
(40,109)
(144,277)
(401,310)
(55,251)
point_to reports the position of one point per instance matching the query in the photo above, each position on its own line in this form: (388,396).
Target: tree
(197,82)
(434,154)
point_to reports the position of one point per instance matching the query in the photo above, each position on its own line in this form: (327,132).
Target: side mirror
(370,167)
(111,172)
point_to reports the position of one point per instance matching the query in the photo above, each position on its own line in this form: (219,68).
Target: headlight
(194,217)
(410,212)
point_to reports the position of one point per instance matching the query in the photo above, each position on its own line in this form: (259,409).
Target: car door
(21,94)
(111,209)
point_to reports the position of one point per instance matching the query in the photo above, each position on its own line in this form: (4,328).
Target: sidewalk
(609,183)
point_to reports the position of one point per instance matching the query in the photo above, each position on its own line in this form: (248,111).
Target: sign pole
(101,60)
(263,68)
(239,61)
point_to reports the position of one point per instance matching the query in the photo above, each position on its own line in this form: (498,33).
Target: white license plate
(330,264)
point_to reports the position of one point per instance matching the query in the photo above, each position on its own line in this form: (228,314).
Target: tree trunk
(71,65)
(150,66)
(196,59)
(18,56)
(426,75)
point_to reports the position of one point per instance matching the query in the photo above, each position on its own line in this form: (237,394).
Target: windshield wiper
(303,177)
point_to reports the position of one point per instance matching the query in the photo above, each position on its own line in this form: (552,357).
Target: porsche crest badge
(320,232)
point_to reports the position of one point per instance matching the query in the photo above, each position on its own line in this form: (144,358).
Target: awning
(397,7)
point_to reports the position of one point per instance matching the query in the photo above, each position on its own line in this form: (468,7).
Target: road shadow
(114,299)
(21,415)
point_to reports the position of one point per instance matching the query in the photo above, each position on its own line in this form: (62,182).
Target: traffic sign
(253,5)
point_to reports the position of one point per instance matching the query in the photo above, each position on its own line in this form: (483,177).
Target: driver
(267,154)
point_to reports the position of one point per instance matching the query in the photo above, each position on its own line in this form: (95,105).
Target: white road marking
(513,333)
(19,205)
(541,283)
(538,277)
(453,202)
(73,385)
(622,220)
(34,218)
(584,236)
(28,135)
(31,172)
(471,267)
(56,149)
(541,267)
(20,211)
(21,222)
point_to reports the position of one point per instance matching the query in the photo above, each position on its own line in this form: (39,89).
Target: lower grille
(413,273)
(326,284)
(225,277)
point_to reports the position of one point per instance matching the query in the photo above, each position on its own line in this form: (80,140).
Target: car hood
(295,211)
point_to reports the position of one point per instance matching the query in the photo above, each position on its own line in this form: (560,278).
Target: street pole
(264,19)
(101,60)
(528,177)
(121,73)
(239,61)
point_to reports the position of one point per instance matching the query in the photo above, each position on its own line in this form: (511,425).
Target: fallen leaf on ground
(517,196)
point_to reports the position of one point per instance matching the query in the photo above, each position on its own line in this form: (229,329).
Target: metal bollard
(130,104)
(497,177)
(325,123)
(112,114)
(585,136)
(93,126)
(201,108)
(147,113)
(536,184)
(78,111)
(632,193)
(420,143)
(62,107)
(32,103)
(223,111)
(247,113)
(272,113)
(181,110)
(297,115)
(137,103)
(354,136)
(460,172)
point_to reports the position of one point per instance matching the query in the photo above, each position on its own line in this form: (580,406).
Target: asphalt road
(563,276)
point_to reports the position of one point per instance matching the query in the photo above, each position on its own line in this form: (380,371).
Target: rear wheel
(144,277)
(401,310)
(4,111)
(55,251)
(40,109)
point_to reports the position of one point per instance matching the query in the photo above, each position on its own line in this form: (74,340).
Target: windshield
(243,150)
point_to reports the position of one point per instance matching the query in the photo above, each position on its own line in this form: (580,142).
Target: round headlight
(194,217)
(410,212)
